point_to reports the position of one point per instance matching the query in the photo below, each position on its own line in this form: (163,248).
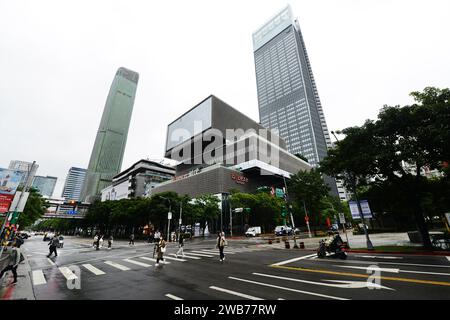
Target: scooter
(336,249)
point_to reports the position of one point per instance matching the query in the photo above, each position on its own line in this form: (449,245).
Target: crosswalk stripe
(154,260)
(50,261)
(117,266)
(67,273)
(171,296)
(93,269)
(214,251)
(137,263)
(293,260)
(187,256)
(235,293)
(448,258)
(38,277)
(289,289)
(197,253)
(175,259)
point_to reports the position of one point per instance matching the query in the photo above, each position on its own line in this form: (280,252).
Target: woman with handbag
(160,250)
(221,245)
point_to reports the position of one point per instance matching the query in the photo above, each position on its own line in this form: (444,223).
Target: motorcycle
(336,248)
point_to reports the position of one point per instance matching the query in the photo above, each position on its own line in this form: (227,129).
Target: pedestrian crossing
(144,261)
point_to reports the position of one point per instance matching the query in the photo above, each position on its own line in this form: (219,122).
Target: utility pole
(290,211)
(307,220)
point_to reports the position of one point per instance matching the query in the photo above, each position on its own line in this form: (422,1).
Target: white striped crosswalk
(39,278)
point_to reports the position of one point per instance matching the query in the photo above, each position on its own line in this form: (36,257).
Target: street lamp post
(290,211)
(169,216)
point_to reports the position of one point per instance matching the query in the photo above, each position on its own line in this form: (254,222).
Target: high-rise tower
(107,154)
(287,94)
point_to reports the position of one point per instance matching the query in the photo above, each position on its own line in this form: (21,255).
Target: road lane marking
(186,256)
(204,255)
(154,260)
(67,273)
(358,275)
(393,263)
(213,251)
(289,289)
(171,296)
(380,257)
(448,258)
(38,277)
(93,269)
(235,293)
(175,259)
(392,270)
(50,261)
(117,266)
(137,263)
(293,260)
(344,284)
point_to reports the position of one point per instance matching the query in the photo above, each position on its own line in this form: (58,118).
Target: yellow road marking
(358,275)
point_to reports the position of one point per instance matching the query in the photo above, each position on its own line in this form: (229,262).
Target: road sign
(71,212)
(306,218)
(169,215)
(19,206)
(239,210)
(364,207)
(279,193)
(341,217)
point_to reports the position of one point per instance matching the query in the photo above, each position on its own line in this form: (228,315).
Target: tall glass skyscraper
(107,154)
(287,95)
(74,184)
(45,185)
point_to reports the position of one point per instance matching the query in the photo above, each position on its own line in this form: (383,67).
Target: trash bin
(287,245)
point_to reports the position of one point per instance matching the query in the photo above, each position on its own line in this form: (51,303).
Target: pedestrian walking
(131,239)
(160,250)
(100,242)
(157,236)
(94,244)
(110,242)
(15,257)
(221,245)
(180,246)
(53,245)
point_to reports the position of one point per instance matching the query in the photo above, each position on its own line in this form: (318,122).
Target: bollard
(270,241)
(287,245)
(302,245)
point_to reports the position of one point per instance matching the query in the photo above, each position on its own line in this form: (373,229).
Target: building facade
(288,99)
(221,149)
(137,181)
(107,153)
(26,167)
(45,185)
(74,184)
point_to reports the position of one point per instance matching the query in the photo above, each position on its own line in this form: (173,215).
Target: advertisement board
(9,181)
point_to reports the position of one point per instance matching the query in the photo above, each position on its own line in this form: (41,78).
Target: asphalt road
(250,271)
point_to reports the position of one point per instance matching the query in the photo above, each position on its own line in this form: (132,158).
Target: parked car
(253,232)
(283,231)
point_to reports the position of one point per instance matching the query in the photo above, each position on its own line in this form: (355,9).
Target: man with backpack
(53,245)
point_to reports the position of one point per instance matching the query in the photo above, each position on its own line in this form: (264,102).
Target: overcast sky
(58,59)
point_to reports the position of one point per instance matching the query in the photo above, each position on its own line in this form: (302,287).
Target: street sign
(279,193)
(341,218)
(239,210)
(71,212)
(169,215)
(364,207)
(306,218)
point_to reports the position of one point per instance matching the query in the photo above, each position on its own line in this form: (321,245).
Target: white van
(253,232)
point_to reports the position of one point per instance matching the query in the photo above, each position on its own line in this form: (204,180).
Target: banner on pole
(364,207)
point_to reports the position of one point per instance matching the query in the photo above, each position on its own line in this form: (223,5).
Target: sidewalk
(23,289)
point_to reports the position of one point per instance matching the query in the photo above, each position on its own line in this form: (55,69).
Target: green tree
(307,189)
(376,152)
(34,209)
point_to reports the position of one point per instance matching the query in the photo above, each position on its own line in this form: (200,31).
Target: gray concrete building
(137,181)
(221,149)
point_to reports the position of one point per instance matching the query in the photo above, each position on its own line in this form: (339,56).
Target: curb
(426,253)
